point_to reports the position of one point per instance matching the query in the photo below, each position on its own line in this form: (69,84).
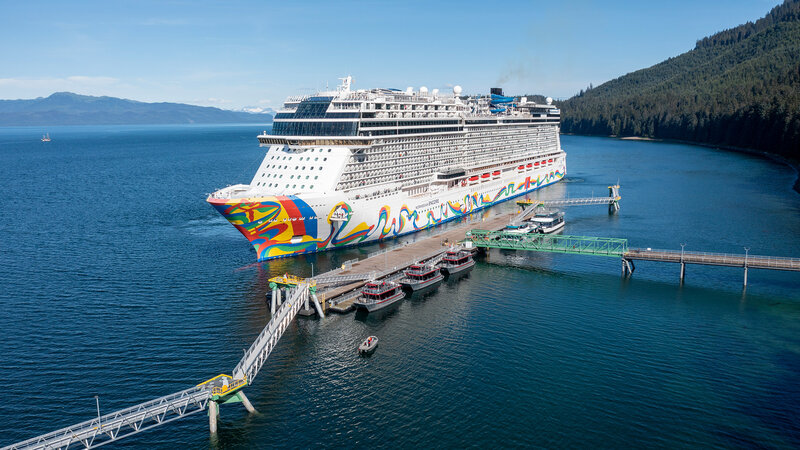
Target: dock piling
(213,413)
(246,402)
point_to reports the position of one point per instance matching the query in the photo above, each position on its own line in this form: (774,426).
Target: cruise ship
(347,167)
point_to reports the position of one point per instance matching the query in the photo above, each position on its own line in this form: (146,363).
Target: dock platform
(394,260)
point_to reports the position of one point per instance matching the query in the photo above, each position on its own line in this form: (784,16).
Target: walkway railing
(122,423)
(257,354)
(715,259)
(584,245)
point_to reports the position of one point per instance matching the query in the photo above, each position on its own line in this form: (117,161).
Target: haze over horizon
(247,54)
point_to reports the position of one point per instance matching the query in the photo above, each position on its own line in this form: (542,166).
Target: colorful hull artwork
(281,226)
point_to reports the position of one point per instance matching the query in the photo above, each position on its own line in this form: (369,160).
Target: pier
(616,247)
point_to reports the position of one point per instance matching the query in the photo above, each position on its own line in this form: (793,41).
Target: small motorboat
(368,346)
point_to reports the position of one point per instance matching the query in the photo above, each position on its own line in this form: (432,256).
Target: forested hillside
(739,88)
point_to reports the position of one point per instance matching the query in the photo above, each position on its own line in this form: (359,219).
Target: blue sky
(235,54)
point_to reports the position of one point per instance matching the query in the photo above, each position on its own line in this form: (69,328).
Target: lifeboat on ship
(521,168)
(496,174)
(485,177)
(529,166)
(536,164)
(473,180)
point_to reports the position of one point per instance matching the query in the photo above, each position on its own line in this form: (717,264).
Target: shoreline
(793,164)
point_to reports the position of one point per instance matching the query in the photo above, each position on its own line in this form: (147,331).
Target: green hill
(738,88)
(66,108)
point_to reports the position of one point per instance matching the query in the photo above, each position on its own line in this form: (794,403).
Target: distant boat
(46,137)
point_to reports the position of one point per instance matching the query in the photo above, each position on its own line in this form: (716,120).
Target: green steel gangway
(553,243)
(588,245)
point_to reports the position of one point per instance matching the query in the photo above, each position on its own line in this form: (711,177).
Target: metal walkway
(130,421)
(715,259)
(333,280)
(123,423)
(585,245)
(529,206)
(553,243)
(255,357)
(745,261)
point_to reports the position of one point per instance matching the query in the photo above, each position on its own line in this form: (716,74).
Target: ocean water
(120,281)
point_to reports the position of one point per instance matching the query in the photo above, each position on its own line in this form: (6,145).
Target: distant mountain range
(66,108)
(737,88)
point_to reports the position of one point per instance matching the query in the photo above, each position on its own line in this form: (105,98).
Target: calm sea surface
(118,280)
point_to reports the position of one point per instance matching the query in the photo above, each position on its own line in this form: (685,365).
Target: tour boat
(456,261)
(420,276)
(547,221)
(379,294)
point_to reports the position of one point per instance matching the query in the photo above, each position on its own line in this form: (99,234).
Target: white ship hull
(282,226)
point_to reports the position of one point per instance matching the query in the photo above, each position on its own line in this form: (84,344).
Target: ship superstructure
(346,167)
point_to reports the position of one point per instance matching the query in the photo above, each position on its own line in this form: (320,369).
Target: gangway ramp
(220,389)
(553,243)
(530,206)
(255,357)
(123,423)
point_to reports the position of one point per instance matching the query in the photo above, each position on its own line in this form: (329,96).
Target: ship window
(294,186)
(316,176)
(317,158)
(291,176)
(324,159)
(287,185)
(303,186)
(312,186)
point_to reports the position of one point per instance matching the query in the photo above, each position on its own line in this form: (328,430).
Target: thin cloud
(164,22)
